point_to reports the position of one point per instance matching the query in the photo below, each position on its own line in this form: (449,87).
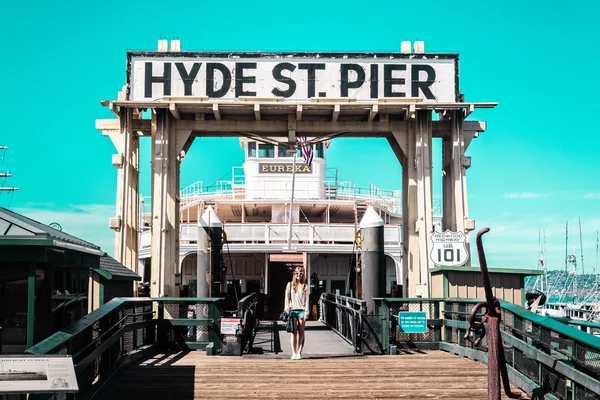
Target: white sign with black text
(449,249)
(433,78)
(37,374)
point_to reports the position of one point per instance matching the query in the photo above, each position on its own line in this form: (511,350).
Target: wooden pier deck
(193,375)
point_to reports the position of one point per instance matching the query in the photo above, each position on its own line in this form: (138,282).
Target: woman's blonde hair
(301,281)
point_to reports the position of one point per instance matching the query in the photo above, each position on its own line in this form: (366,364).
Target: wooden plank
(336,113)
(373,112)
(174,111)
(193,375)
(257,112)
(217,112)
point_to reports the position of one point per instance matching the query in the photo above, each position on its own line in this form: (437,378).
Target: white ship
(254,207)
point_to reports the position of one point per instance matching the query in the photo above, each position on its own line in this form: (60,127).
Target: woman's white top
(296,300)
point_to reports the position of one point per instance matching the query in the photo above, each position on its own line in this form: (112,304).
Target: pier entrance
(275,100)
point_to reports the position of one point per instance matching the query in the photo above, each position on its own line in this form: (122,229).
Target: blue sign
(412,322)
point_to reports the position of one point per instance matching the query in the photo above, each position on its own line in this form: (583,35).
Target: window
(251,149)
(266,150)
(282,151)
(320,153)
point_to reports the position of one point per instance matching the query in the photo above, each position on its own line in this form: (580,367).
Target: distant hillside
(559,280)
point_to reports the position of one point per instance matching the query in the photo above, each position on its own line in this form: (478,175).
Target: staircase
(360,208)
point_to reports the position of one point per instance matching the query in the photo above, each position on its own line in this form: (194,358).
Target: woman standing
(296,304)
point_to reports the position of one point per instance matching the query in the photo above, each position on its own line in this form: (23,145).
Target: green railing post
(437,336)
(385,326)
(161,326)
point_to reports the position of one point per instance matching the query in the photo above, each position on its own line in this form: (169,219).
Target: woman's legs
(301,323)
(293,337)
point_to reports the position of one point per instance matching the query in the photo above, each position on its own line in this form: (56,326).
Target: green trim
(522,285)
(552,324)
(103,273)
(31,305)
(439,268)
(25,241)
(445,285)
(111,277)
(101,293)
(161,300)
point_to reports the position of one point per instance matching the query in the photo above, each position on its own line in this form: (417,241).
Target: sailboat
(570,293)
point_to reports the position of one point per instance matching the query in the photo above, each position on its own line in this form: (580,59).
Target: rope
(232,273)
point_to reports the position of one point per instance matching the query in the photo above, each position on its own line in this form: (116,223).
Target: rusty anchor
(496,358)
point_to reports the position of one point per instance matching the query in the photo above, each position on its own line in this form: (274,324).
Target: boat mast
(581,247)
(566,245)
(545,276)
(5,175)
(597,272)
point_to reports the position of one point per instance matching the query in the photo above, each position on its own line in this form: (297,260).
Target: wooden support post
(423,136)
(413,149)
(31,305)
(165,205)
(126,143)
(454,182)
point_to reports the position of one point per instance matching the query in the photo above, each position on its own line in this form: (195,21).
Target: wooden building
(44,276)
(465,282)
(111,280)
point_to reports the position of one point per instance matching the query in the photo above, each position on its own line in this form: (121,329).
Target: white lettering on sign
(432,79)
(449,249)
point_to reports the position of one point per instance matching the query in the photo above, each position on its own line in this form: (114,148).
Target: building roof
(493,270)
(112,269)
(23,229)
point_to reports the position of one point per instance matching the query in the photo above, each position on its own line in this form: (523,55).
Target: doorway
(280,274)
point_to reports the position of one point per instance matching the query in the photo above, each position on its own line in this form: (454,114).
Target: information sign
(37,374)
(412,322)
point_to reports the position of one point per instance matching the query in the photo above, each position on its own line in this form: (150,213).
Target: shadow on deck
(329,369)
(193,375)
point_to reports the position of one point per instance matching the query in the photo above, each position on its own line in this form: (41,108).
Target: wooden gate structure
(319,96)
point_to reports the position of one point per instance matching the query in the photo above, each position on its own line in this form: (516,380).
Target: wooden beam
(336,113)
(174,111)
(137,113)
(257,111)
(217,112)
(469,110)
(292,127)
(113,124)
(113,108)
(373,112)
(280,128)
(410,112)
(299,112)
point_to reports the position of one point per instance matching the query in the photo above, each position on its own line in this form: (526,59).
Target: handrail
(102,340)
(247,311)
(345,315)
(540,351)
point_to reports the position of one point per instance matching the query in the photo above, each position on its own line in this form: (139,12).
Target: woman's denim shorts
(298,313)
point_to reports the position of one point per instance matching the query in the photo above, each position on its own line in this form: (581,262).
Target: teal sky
(537,166)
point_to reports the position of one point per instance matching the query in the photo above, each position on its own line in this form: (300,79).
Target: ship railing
(542,354)
(345,315)
(239,188)
(265,233)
